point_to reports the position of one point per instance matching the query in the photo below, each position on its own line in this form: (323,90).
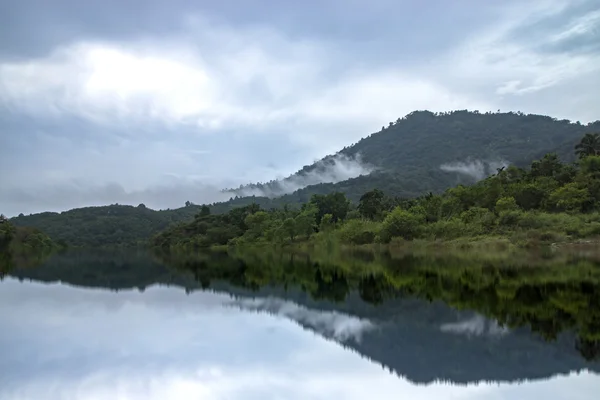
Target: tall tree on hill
(589,145)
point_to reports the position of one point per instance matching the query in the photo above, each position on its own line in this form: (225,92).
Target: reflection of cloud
(339,326)
(475,326)
(60,342)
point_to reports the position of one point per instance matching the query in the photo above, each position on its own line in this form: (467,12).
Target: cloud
(475,169)
(333,169)
(222,96)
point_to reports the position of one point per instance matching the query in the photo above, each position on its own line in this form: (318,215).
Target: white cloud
(475,169)
(247,97)
(510,59)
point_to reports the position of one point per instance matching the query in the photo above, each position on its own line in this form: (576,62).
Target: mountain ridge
(420,153)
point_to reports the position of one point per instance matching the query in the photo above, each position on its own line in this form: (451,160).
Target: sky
(162,102)
(163,343)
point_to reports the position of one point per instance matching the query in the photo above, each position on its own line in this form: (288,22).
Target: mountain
(419,153)
(426,151)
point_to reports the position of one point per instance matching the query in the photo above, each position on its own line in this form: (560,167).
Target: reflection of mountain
(417,339)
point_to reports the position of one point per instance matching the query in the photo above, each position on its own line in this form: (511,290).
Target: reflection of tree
(550,299)
(331,285)
(589,349)
(374,289)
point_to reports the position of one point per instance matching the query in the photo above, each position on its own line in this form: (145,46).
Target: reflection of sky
(60,342)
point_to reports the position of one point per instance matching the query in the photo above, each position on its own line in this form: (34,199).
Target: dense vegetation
(551,201)
(114,225)
(407,154)
(22,243)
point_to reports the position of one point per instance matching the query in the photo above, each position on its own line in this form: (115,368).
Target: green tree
(334,203)
(401,223)
(506,204)
(548,166)
(306,221)
(569,198)
(588,146)
(289,227)
(327,223)
(371,204)
(204,210)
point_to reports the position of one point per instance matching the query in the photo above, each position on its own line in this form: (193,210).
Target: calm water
(130,326)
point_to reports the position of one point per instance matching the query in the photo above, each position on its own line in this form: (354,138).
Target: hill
(419,153)
(107,225)
(430,152)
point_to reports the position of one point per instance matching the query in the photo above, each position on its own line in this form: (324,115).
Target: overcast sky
(164,101)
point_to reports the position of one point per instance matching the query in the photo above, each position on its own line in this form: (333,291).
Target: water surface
(131,326)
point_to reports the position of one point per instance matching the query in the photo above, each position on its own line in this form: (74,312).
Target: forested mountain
(419,153)
(409,155)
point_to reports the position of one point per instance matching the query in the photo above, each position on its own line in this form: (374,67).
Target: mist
(331,324)
(331,169)
(174,191)
(475,169)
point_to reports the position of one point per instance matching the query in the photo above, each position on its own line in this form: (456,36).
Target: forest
(550,201)
(19,243)
(406,156)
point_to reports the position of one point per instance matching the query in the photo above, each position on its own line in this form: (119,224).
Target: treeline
(22,243)
(107,226)
(548,202)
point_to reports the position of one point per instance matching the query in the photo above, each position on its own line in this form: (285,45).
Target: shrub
(401,223)
(359,231)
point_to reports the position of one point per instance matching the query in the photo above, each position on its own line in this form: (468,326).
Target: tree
(204,210)
(371,204)
(306,220)
(548,166)
(588,146)
(401,223)
(569,197)
(334,203)
(506,204)
(289,227)
(7,232)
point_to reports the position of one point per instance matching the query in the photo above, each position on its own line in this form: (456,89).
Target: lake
(261,325)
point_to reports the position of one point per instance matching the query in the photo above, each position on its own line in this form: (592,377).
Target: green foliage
(589,145)
(372,204)
(336,204)
(548,202)
(569,198)
(506,204)
(114,225)
(358,232)
(401,223)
